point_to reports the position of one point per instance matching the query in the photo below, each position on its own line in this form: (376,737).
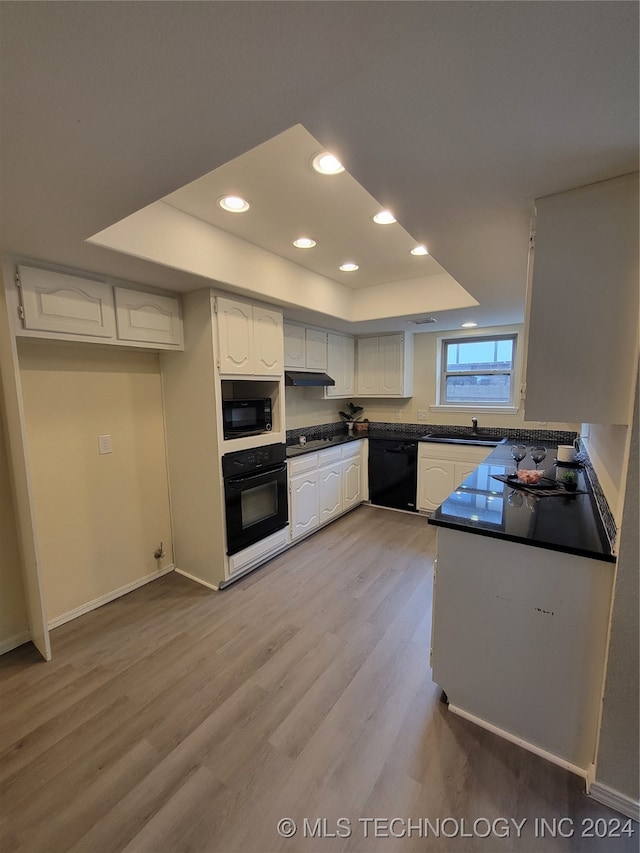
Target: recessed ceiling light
(349,267)
(385,217)
(304,243)
(234,204)
(420,250)
(327,164)
(469,325)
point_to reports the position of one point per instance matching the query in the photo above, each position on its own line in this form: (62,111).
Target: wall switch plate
(104,444)
(423,415)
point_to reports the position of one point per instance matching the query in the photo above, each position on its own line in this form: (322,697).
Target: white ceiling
(455,115)
(289,200)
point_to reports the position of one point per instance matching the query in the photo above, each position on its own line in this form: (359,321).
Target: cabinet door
(391,364)
(349,366)
(367,382)
(463,470)
(294,345)
(352,493)
(340,365)
(235,336)
(303,510)
(268,348)
(148,317)
(53,302)
(436,481)
(330,492)
(316,349)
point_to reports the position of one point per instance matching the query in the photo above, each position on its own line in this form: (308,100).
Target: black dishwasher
(393,473)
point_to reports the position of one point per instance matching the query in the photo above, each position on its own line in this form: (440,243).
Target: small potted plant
(569,481)
(352,416)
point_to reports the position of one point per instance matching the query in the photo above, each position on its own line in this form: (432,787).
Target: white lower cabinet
(352,486)
(442,467)
(330,492)
(324,485)
(303,509)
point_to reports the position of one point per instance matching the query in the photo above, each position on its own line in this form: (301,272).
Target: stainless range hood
(307,380)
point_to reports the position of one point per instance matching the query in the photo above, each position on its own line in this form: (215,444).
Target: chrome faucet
(474,424)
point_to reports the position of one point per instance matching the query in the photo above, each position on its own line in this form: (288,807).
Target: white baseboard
(14,642)
(105,599)
(196,580)
(530,747)
(615,800)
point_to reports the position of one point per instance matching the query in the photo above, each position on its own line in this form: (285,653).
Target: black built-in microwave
(246,417)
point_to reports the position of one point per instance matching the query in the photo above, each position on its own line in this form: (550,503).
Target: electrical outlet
(423,415)
(104,444)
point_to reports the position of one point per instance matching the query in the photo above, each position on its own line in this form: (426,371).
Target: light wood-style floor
(177,719)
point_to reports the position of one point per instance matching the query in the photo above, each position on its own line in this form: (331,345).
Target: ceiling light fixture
(420,250)
(304,243)
(469,325)
(384,217)
(327,164)
(234,204)
(349,267)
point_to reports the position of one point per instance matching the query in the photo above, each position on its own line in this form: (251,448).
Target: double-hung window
(478,371)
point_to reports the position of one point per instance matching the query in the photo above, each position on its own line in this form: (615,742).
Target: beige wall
(607,448)
(98,518)
(618,749)
(306,407)
(13,612)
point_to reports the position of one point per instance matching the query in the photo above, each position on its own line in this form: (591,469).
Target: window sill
(468,407)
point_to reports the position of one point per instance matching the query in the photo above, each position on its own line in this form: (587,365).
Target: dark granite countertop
(485,506)
(315,443)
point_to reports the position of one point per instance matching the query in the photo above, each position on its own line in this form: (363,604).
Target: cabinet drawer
(354,448)
(455,452)
(328,457)
(308,462)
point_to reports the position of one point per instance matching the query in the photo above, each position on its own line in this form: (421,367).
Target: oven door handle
(269,472)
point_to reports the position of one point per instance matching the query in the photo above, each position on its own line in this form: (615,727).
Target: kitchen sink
(457,438)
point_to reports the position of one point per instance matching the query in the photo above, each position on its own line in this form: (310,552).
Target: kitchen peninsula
(522,598)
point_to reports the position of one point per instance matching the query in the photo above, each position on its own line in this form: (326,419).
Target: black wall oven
(246,417)
(255,491)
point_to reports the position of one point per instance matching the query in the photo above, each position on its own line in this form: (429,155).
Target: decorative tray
(546,487)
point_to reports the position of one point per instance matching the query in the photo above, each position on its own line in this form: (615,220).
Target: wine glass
(538,453)
(514,499)
(518,451)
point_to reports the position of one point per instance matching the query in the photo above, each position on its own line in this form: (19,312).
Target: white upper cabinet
(304,348)
(385,366)
(294,346)
(54,302)
(268,359)
(235,336)
(61,306)
(250,339)
(316,349)
(340,365)
(148,317)
(583,305)
(368,376)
